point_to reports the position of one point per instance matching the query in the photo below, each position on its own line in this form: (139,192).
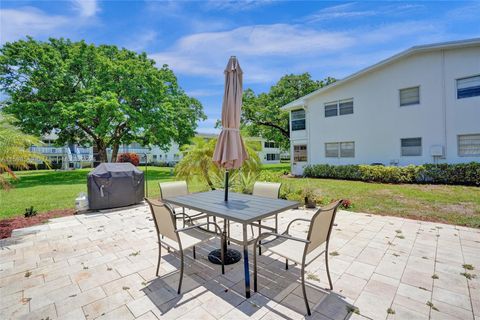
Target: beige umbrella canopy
(230,150)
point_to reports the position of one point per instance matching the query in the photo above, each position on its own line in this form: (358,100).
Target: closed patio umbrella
(230,150)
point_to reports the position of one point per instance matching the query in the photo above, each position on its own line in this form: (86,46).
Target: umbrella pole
(226,185)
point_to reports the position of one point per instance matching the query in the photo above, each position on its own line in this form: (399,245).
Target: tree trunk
(101,151)
(115,148)
(207,179)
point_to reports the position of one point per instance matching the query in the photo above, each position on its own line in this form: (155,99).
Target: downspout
(444,104)
(307,115)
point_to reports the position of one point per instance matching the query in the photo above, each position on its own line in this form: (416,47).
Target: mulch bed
(7,225)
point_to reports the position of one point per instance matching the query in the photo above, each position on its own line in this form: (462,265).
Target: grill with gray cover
(112,185)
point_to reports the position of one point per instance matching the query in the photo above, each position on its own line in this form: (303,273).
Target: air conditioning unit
(437,151)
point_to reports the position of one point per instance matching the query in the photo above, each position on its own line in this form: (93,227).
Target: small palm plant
(197,163)
(14,150)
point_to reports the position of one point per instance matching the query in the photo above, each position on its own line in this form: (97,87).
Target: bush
(459,174)
(30,212)
(129,157)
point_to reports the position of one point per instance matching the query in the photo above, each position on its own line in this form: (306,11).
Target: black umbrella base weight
(231,256)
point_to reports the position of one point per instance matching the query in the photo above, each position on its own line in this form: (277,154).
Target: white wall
(378,122)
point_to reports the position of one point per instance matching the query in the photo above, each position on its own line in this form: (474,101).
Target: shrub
(30,212)
(129,157)
(459,174)
(346,204)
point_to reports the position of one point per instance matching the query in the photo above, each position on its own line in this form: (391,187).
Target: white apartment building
(419,106)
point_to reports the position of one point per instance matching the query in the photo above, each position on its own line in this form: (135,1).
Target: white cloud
(20,22)
(140,42)
(86,8)
(236,5)
(17,23)
(345,10)
(204,93)
(206,54)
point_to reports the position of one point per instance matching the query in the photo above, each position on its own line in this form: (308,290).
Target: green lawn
(48,190)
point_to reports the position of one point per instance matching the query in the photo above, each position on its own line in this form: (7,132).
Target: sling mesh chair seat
(299,250)
(180,188)
(269,190)
(179,239)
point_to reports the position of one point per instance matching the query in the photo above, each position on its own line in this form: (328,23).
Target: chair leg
(286,264)
(305,291)
(254,270)
(222,253)
(159,257)
(328,270)
(259,232)
(228,233)
(194,253)
(181,272)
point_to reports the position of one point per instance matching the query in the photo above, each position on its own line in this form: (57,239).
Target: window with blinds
(469,145)
(468,87)
(340,149)
(300,153)
(409,96)
(298,120)
(345,107)
(347,149)
(331,110)
(411,147)
(341,107)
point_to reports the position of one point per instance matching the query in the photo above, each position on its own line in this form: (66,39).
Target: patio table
(241,208)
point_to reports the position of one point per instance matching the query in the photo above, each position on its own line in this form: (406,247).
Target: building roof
(409,52)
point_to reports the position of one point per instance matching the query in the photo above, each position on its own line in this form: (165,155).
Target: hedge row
(459,174)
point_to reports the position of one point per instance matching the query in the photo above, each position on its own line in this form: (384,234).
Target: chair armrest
(298,219)
(279,235)
(183,214)
(217,227)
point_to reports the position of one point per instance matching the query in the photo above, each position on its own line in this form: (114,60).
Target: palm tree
(197,162)
(14,150)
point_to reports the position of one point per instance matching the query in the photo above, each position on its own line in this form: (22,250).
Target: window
(300,153)
(342,107)
(154,157)
(298,120)
(346,107)
(340,149)
(331,150)
(468,87)
(409,96)
(273,156)
(270,144)
(469,145)
(176,156)
(331,110)
(347,149)
(411,147)
(160,156)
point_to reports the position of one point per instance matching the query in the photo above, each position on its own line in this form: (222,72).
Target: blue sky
(270,38)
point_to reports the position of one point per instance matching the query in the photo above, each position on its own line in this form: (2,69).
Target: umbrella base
(231,256)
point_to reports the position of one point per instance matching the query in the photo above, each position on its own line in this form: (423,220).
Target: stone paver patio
(102,265)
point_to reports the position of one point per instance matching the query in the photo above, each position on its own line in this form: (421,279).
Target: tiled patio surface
(102,265)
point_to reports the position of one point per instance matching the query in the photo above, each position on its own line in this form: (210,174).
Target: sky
(270,38)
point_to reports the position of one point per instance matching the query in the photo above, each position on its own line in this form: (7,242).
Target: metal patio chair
(299,250)
(179,188)
(179,239)
(269,190)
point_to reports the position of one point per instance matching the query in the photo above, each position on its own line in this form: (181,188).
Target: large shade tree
(99,95)
(261,114)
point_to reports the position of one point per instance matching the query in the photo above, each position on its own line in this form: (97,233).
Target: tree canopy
(261,114)
(95,95)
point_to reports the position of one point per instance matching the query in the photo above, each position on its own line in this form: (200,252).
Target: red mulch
(7,225)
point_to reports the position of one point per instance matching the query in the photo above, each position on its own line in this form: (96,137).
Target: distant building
(419,106)
(64,157)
